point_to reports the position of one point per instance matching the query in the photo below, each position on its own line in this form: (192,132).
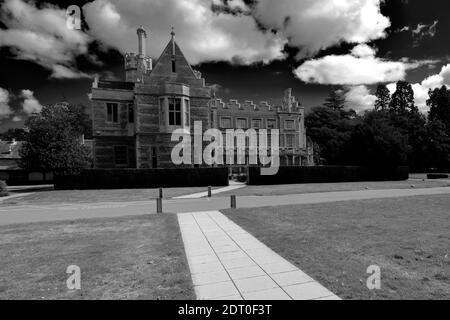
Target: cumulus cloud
(359,98)
(41,35)
(234,6)
(430,83)
(361,67)
(208,30)
(5,110)
(233,31)
(203,34)
(363,51)
(63,72)
(319,24)
(30,103)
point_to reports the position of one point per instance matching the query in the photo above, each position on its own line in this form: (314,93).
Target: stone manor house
(133,120)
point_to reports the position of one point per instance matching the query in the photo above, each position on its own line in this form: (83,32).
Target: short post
(161,193)
(233,202)
(209,192)
(159,205)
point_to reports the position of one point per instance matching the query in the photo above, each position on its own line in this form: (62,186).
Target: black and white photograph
(197,150)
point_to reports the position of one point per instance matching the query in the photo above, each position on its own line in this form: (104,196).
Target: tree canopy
(393,133)
(383,98)
(54,140)
(14,134)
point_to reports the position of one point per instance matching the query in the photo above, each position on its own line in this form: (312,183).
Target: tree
(383,98)
(403,99)
(54,140)
(438,145)
(14,134)
(439,104)
(438,128)
(335,100)
(329,129)
(376,142)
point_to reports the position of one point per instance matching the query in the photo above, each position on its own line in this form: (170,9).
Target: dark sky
(256,82)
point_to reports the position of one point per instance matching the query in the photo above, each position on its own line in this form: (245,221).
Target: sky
(248,50)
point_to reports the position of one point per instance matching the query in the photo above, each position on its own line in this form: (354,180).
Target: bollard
(159,205)
(209,192)
(161,193)
(233,202)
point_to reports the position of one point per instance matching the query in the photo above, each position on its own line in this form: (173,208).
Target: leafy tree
(438,145)
(383,98)
(439,104)
(330,129)
(335,100)
(14,134)
(405,116)
(403,99)
(376,142)
(54,140)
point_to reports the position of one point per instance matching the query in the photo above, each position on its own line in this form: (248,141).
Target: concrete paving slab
(307,291)
(271,294)
(226,262)
(216,290)
(255,284)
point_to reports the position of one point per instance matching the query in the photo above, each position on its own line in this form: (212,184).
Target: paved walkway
(232,186)
(13,196)
(41,213)
(227,263)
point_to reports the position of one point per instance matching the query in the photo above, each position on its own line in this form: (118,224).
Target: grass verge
(335,243)
(95,196)
(332,187)
(127,258)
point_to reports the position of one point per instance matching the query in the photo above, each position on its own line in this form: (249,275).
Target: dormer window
(174,70)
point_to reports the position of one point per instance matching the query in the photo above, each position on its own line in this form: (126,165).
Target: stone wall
(104,151)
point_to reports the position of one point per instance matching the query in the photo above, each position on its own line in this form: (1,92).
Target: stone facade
(133,120)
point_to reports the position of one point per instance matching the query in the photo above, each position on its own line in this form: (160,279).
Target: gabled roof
(163,65)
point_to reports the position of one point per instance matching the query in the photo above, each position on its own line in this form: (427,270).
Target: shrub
(242,178)
(142,178)
(326,174)
(3,189)
(437,176)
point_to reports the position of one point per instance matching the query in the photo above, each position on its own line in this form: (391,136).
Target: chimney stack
(142,35)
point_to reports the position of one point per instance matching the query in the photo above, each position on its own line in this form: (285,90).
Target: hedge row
(430,170)
(142,178)
(324,174)
(435,176)
(25,178)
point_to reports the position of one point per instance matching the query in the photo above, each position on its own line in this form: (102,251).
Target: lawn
(95,196)
(329,187)
(129,258)
(335,243)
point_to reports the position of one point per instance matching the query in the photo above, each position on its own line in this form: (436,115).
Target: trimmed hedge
(433,176)
(430,170)
(142,178)
(3,189)
(325,174)
(22,177)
